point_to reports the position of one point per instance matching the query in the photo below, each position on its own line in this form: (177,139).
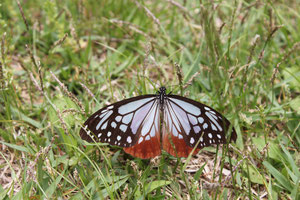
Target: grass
(63,60)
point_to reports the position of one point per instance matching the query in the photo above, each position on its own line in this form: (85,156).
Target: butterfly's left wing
(131,123)
(187,121)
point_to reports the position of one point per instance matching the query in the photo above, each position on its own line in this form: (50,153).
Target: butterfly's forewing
(124,124)
(187,121)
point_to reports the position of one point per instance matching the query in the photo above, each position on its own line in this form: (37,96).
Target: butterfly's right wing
(188,122)
(132,123)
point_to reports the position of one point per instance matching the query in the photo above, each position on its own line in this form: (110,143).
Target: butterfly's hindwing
(174,133)
(148,145)
(118,123)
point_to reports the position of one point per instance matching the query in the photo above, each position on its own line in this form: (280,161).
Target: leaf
(112,184)
(199,172)
(62,103)
(3,193)
(274,149)
(291,161)
(115,186)
(295,104)
(254,175)
(155,184)
(16,147)
(283,181)
(52,187)
(296,191)
(124,65)
(291,77)
(25,118)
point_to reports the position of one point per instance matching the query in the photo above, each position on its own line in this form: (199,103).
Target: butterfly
(135,125)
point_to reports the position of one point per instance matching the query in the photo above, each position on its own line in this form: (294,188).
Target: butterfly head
(162,90)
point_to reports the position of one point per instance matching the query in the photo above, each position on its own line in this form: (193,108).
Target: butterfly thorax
(162,96)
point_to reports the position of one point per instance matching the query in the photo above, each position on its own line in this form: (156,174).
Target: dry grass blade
(69,94)
(62,121)
(23,16)
(292,50)
(59,42)
(87,89)
(190,81)
(149,13)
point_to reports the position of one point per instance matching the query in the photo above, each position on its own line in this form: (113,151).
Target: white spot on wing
(152,132)
(141,140)
(88,132)
(209,135)
(129,139)
(119,138)
(129,107)
(147,137)
(180,136)
(127,118)
(201,120)
(123,128)
(99,135)
(219,136)
(206,108)
(192,119)
(118,118)
(104,126)
(201,139)
(110,107)
(205,126)
(113,124)
(197,129)
(108,134)
(192,140)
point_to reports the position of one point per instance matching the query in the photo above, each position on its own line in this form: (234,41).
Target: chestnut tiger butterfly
(134,124)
